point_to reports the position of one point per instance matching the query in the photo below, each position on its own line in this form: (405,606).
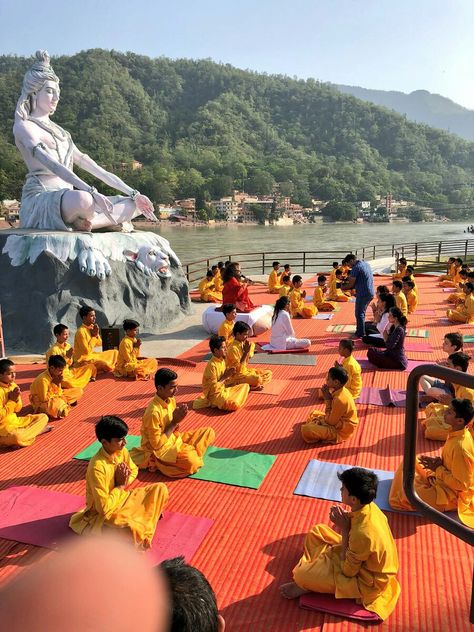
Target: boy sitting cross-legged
(239,353)
(78,377)
(47,394)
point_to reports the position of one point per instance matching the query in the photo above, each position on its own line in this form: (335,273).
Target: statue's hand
(104,205)
(93,263)
(145,206)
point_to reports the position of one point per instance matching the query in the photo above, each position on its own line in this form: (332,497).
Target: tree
(416,214)
(339,211)
(261,214)
(260,183)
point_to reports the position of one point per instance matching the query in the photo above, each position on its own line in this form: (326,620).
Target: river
(194,243)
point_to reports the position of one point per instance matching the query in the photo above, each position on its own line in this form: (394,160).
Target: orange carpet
(257,535)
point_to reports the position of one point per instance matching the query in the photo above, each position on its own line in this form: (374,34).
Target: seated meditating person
(400,298)
(334,267)
(351,366)
(129,362)
(376,307)
(109,502)
(274,279)
(446,482)
(375,331)
(208,291)
(226,328)
(282,335)
(435,425)
(393,355)
(339,421)
(236,291)
(360,562)
(401,269)
(287,270)
(411,275)
(464,313)
(46,393)
(454,277)
(298,307)
(449,270)
(458,295)
(432,387)
(318,297)
(239,353)
(78,377)
(216,394)
(287,286)
(87,338)
(216,271)
(410,294)
(15,430)
(335,293)
(163,447)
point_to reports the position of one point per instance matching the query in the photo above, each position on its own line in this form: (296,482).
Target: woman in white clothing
(282,334)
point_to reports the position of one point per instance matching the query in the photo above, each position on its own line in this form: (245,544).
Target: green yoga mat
(133,441)
(468,338)
(234,467)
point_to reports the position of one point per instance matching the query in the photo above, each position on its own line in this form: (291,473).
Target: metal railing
(409,452)
(428,254)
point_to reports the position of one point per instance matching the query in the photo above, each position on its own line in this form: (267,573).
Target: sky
(402,45)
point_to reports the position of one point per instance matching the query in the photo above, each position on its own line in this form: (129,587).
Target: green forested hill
(201,128)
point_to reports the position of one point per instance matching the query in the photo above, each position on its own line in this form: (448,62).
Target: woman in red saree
(235,291)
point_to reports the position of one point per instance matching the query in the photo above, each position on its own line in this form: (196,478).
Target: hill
(201,128)
(420,106)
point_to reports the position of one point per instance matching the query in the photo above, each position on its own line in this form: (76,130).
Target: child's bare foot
(291,590)
(256,388)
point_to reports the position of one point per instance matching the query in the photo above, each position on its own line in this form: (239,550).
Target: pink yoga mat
(39,516)
(366,365)
(346,608)
(382,397)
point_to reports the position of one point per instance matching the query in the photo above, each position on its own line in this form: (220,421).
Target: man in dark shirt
(362,280)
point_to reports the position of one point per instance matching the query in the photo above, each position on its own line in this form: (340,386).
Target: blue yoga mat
(319,480)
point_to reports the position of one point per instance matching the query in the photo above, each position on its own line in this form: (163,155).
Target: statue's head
(39,79)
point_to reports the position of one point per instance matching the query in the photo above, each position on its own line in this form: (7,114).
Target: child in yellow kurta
(129,363)
(464,313)
(332,274)
(163,446)
(287,285)
(239,353)
(298,307)
(400,298)
(335,293)
(339,420)
(351,366)
(87,338)
(458,295)
(360,564)
(14,430)
(226,328)
(447,482)
(78,377)
(216,394)
(274,279)
(450,272)
(48,396)
(401,269)
(208,291)
(318,297)
(217,278)
(455,277)
(411,295)
(435,424)
(108,501)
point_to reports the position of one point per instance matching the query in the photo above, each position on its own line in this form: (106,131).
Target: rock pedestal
(43,281)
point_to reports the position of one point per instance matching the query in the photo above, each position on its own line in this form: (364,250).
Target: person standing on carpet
(361,562)
(362,280)
(163,447)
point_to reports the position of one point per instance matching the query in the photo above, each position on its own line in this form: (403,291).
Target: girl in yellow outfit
(14,430)
(208,291)
(360,564)
(87,338)
(298,307)
(455,277)
(446,482)
(48,396)
(226,328)
(216,394)
(238,354)
(464,313)
(335,293)
(274,279)
(108,502)
(129,364)
(339,420)
(318,297)
(78,377)
(163,446)
(351,366)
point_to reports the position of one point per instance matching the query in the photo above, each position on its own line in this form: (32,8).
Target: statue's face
(47,98)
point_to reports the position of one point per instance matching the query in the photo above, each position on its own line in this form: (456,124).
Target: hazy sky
(386,44)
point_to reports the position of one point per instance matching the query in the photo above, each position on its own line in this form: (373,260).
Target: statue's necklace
(56,132)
